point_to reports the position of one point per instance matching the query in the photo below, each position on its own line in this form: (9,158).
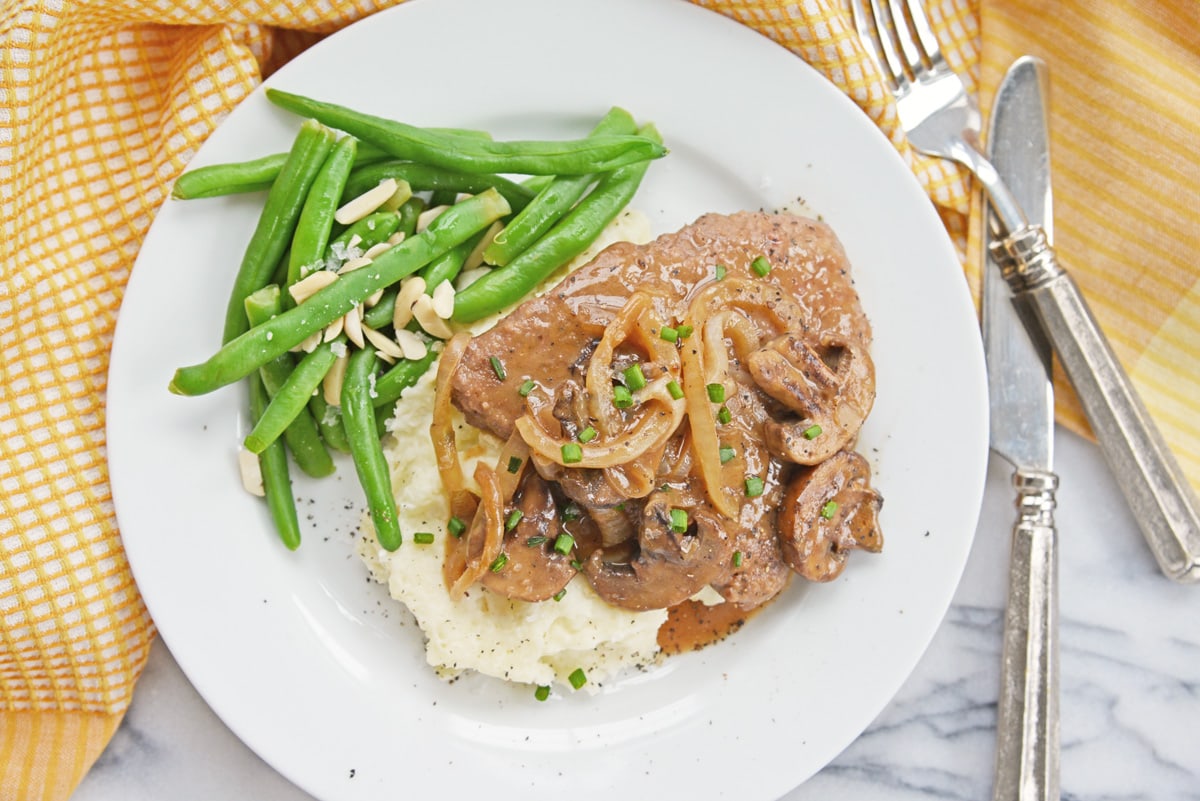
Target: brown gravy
(691,625)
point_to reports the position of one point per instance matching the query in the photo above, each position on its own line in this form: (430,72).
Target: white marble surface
(1130,656)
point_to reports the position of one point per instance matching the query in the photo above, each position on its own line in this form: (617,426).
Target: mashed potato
(538,643)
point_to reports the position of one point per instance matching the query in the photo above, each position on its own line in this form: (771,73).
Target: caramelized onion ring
(481,542)
(441,431)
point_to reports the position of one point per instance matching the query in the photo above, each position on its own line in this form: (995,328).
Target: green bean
(505,286)
(536,183)
(316,218)
(292,397)
(376,227)
(255,175)
(278,219)
(277,483)
(409,213)
(301,435)
(329,422)
(528,225)
(358,412)
(441,181)
(447,266)
(399,377)
(262,343)
(467,154)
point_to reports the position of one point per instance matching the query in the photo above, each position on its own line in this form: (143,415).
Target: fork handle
(1162,501)
(1027,725)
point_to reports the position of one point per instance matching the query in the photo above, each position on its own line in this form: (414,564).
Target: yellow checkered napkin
(102,103)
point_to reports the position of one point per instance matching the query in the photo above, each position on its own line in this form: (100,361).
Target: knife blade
(1021,397)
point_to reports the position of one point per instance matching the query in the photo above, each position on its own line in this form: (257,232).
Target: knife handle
(1162,501)
(1027,726)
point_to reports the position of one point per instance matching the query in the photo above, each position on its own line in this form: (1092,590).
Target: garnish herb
(716,392)
(571,512)
(456,527)
(587,435)
(737,558)
(564,543)
(721,271)
(828,510)
(514,518)
(679,521)
(558,596)
(533,542)
(812,432)
(622,397)
(761,266)
(572,453)
(685,331)
(526,388)
(577,678)
(542,692)
(727,453)
(514,464)
(499,563)
(498,368)
(668,333)
(724,415)
(634,378)
(675,390)
(423,538)
(754,486)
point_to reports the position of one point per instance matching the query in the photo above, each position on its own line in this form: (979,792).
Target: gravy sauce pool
(692,625)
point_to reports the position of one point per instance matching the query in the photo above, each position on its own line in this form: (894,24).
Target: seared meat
(781,352)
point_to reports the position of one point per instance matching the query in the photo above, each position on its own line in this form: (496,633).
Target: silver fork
(941,119)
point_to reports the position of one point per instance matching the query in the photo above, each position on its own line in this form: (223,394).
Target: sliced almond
(373,299)
(411,345)
(396,238)
(475,258)
(334,329)
(310,343)
(429,320)
(306,288)
(411,289)
(382,343)
(376,249)
(354,264)
(443,300)
(353,326)
(366,203)
(251,471)
(331,385)
(384,357)
(355,241)
(428,216)
(468,277)
(399,197)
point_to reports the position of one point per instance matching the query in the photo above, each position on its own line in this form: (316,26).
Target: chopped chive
(679,521)
(620,507)
(572,453)
(498,368)
(716,392)
(675,390)
(534,542)
(761,266)
(498,564)
(514,517)
(564,543)
(577,678)
(721,271)
(575,563)
(737,558)
(456,527)
(587,435)
(634,378)
(514,464)
(812,432)
(754,486)
(685,331)
(724,415)
(558,596)
(423,538)
(622,397)
(727,453)
(668,333)
(526,388)
(542,692)
(827,511)
(572,512)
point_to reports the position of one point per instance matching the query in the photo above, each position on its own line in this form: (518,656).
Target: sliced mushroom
(759,573)
(829,385)
(828,511)
(534,570)
(666,567)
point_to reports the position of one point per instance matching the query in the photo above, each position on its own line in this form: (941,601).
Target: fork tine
(874,38)
(918,21)
(904,35)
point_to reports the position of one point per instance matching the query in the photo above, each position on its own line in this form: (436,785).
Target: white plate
(314,668)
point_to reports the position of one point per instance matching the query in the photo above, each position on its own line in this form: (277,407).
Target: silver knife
(1021,397)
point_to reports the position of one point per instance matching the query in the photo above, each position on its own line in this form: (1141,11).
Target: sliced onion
(482,540)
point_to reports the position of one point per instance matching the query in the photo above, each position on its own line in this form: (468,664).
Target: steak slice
(543,337)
